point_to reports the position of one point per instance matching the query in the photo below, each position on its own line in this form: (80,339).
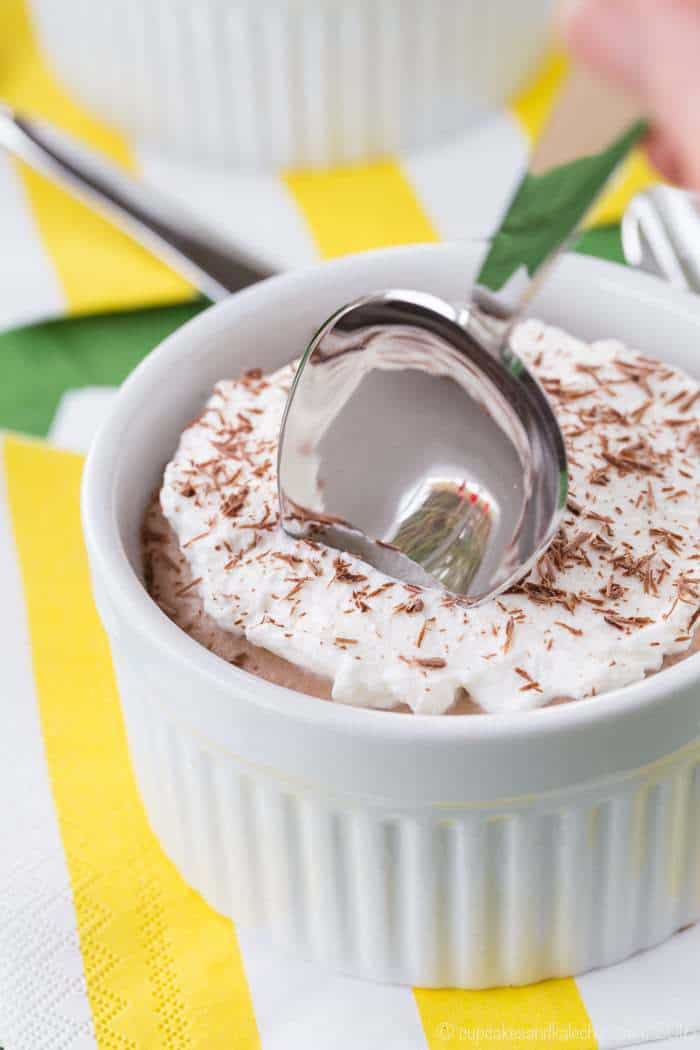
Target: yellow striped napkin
(101,942)
(64,259)
(103,945)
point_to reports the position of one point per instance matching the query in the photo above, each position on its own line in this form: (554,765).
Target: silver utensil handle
(205,258)
(661,235)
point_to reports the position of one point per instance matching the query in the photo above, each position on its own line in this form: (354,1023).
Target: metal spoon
(210,261)
(413,436)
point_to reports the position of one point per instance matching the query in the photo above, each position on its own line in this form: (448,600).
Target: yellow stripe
(550,1014)
(162,969)
(532,107)
(99,268)
(354,209)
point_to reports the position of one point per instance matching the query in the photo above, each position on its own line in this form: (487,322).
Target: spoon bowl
(415,445)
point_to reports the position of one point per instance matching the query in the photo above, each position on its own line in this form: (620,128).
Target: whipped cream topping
(618,589)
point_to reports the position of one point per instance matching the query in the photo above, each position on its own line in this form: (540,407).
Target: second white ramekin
(291,83)
(437,851)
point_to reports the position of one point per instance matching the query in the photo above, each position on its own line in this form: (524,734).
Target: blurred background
(297,129)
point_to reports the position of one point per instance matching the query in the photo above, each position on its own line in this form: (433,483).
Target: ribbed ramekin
(281,83)
(473,851)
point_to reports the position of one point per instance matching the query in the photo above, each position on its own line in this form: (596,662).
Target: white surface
(292,83)
(652,996)
(300,1005)
(464,183)
(79,415)
(679,1042)
(381,844)
(43,1001)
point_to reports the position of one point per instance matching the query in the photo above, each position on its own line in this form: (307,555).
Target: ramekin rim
(107,551)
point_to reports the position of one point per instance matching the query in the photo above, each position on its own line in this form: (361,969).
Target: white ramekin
(291,82)
(465,851)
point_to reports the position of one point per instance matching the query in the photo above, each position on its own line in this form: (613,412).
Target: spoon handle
(588,136)
(204,257)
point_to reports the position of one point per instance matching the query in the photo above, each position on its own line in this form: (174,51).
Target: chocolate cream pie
(615,597)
